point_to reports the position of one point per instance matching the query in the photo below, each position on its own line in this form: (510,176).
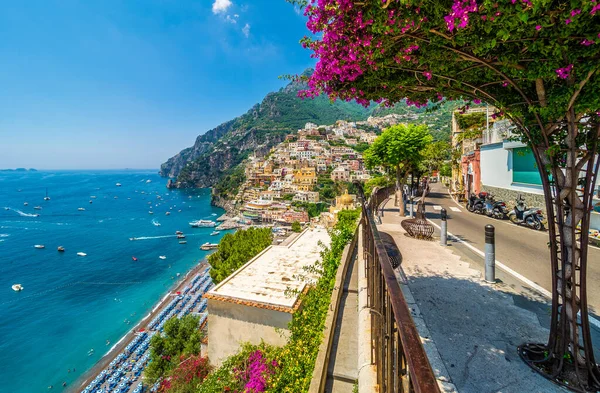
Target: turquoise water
(71,304)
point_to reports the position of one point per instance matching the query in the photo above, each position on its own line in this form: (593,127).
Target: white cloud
(220,6)
(246,30)
(230,19)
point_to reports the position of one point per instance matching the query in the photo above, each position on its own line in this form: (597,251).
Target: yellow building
(305,178)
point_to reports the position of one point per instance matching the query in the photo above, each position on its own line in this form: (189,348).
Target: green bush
(296,227)
(235,249)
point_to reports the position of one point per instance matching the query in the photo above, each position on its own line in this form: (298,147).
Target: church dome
(346,199)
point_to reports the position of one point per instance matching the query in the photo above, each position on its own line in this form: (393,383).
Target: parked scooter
(495,209)
(476,203)
(522,215)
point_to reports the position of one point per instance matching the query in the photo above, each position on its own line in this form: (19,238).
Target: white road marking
(437,207)
(455,209)
(513,273)
(509,223)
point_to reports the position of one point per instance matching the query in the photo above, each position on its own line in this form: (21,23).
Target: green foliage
(361,147)
(230,181)
(399,148)
(235,249)
(436,154)
(287,197)
(224,378)
(313,209)
(446,170)
(471,120)
(376,181)
(296,227)
(181,337)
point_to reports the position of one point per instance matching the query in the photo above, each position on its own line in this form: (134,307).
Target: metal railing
(401,362)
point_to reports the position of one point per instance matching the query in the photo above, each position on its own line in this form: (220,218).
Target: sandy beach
(117,348)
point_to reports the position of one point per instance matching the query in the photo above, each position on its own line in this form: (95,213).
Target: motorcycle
(495,209)
(476,203)
(522,215)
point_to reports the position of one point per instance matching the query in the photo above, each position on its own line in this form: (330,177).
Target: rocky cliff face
(216,153)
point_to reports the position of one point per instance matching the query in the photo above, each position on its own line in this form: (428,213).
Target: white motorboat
(17,287)
(162,257)
(93,197)
(25,204)
(39,246)
(150,212)
(46,198)
(118,184)
(182,242)
(37,208)
(148,181)
(81,209)
(81,254)
(203,224)
(156,223)
(209,246)
(214,233)
(167,213)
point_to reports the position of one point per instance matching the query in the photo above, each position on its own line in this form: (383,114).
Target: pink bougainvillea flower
(564,72)
(538,27)
(575,12)
(587,42)
(567,21)
(504,84)
(595,9)
(477,101)
(427,75)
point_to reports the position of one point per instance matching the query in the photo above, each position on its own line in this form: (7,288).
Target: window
(525,169)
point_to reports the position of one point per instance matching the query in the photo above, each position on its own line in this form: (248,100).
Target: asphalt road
(521,249)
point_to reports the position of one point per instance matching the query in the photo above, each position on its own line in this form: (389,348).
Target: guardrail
(401,361)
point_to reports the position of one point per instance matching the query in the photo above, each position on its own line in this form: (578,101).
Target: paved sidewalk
(470,329)
(342,372)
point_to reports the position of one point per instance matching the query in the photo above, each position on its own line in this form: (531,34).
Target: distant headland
(19,170)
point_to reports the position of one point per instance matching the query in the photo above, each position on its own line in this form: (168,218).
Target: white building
(254,304)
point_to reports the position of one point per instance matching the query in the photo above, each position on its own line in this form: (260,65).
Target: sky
(129,83)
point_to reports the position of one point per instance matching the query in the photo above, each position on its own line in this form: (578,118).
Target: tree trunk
(400,191)
(568,178)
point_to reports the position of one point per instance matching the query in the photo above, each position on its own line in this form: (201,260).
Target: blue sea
(71,304)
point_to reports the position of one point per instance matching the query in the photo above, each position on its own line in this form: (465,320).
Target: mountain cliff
(219,150)
(213,160)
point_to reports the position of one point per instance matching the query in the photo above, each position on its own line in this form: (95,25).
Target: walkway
(470,329)
(342,371)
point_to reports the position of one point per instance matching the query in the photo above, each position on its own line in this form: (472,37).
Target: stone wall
(510,197)
(230,325)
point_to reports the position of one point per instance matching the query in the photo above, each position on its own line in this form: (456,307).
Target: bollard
(444,230)
(490,254)
(411,207)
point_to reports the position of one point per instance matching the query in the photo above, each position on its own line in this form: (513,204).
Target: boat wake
(157,237)
(155,223)
(23,214)
(4,235)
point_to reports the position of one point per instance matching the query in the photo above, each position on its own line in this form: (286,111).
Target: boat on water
(118,184)
(150,212)
(81,209)
(156,223)
(134,259)
(167,213)
(46,198)
(162,257)
(214,233)
(60,249)
(81,254)
(178,233)
(182,242)
(17,287)
(133,238)
(182,236)
(148,181)
(209,246)
(203,224)
(91,202)
(93,197)
(25,204)
(37,208)
(39,246)
(7,208)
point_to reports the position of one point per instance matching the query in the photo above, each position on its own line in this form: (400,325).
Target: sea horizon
(72,304)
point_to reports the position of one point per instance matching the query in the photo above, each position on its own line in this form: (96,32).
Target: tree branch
(580,87)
